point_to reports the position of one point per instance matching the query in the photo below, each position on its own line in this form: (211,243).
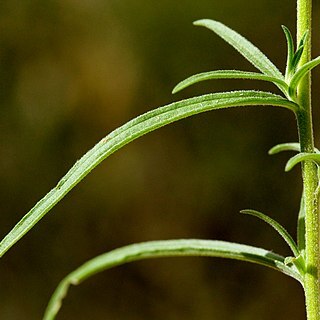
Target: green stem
(309,170)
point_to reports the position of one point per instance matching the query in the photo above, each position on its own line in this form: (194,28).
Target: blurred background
(72,71)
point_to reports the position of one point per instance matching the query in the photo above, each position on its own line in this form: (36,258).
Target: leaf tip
(176,89)
(289,166)
(272,151)
(197,22)
(202,22)
(246,211)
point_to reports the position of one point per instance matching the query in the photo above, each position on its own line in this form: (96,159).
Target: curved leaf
(277,226)
(130,131)
(228,74)
(303,156)
(290,146)
(290,50)
(243,46)
(157,249)
(300,73)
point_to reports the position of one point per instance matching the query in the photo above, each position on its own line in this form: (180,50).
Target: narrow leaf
(304,39)
(290,146)
(243,46)
(300,49)
(130,131)
(302,72)
(301,230)
(296,59)
(303,156)
(277,226)
(290,50)
(168,248)
(228,74)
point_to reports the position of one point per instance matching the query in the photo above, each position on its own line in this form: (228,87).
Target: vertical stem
(309,171)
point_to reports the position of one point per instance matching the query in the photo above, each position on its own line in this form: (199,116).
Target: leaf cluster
(293,266)
(287,83)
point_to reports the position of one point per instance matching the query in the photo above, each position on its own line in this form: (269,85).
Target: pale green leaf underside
(302,157)
(227,74)
(243,46)
(157,249)
(290,146)
(277,226)
(128,132)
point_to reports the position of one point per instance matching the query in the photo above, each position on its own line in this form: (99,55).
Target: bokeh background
(72,71)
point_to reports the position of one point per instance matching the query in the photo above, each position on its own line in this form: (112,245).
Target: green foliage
(287,84)
(130,131)
(301,226)
(302,157)
(228,74)
(290,52)
(300,73)
(169,248)
(278,227)
(296,71)
(290,146)
(243,46)
(293,64)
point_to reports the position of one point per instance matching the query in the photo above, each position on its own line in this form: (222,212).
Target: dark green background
(72,71)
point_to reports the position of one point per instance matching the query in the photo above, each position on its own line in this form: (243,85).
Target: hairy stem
(309,170)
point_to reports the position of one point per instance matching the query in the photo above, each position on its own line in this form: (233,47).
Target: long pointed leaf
(130,131)
(157,249)
(277,226)
(303,156)
(228,74)
(290,50)
(243,46)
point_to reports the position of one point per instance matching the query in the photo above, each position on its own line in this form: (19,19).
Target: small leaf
(304,39)
(290,146)
(304,156)
(290,52)
(228,74)
(301,229)
(299,262)
(297,56)
(277,226)
(296,59)
(130,131)
(168,248)
(300,73)
(243,46)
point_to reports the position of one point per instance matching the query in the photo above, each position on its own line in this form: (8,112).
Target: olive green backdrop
(72,71)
